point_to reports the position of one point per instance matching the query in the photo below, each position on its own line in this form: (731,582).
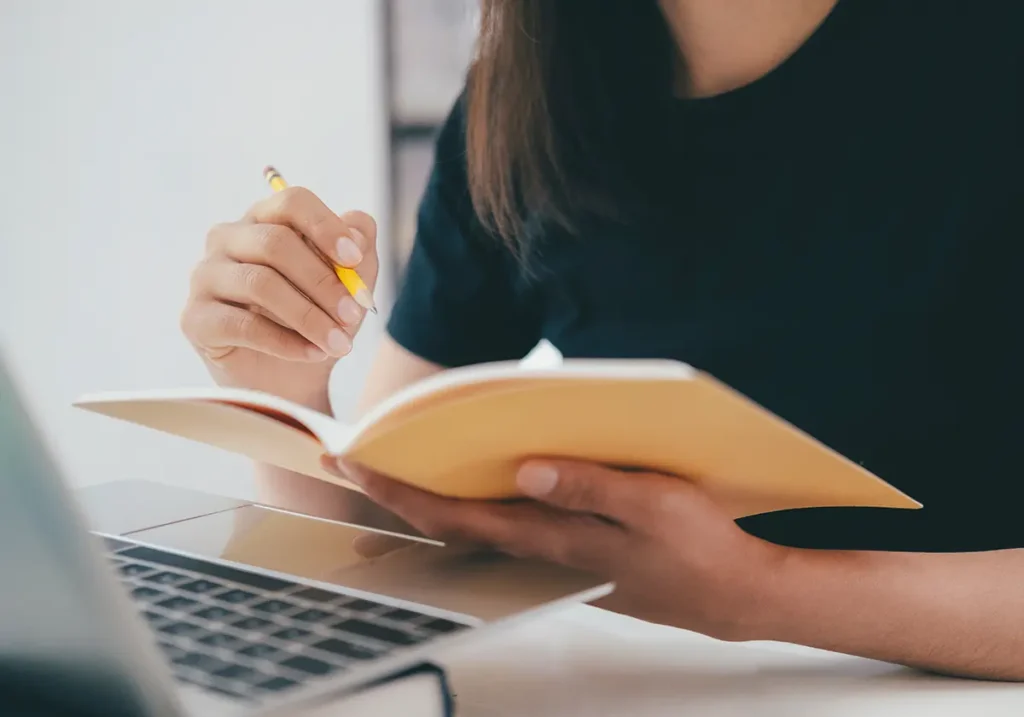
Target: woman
(818,202)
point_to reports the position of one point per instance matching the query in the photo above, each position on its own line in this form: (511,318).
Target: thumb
(585,488)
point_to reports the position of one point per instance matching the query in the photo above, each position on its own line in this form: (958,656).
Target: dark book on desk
(421,691)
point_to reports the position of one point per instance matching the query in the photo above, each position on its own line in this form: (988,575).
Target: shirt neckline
(779,77)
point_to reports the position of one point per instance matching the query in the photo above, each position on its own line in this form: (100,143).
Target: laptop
(135,598)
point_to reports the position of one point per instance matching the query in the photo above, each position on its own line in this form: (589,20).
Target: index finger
(303,211)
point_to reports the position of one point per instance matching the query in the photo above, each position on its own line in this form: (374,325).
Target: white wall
(127,129)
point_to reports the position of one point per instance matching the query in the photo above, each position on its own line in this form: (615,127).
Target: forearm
(958,614)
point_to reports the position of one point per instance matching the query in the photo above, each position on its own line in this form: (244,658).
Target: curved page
(240,423)
(746,457)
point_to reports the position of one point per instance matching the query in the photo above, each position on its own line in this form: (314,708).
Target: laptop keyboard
(249,635)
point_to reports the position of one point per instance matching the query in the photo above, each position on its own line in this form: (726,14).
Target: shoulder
(446,211)
(460,301)
(448,184)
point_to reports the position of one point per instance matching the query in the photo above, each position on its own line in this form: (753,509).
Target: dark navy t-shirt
(840,240)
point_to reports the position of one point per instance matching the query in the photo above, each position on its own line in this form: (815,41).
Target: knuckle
(196,278)
(272,242)
(321,220)
(258,281)
(215,236)
(291,199)
(237,324)
(187,321)
(198,322)
(202,277)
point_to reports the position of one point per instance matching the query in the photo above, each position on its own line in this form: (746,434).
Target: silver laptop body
(134,598)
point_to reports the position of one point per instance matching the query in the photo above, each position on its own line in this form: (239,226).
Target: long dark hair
(553,97)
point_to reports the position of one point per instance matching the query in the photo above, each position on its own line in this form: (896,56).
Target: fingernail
(315,354)
(339,342)
(348,253)
(537,479)
(349,311)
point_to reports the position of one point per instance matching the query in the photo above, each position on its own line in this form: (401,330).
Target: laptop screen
(65,635)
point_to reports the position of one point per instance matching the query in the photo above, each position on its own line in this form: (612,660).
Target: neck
(725,44)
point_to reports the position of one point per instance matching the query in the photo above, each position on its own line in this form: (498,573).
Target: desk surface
(582,661)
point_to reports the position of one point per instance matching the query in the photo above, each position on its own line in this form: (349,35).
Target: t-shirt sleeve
(459,302)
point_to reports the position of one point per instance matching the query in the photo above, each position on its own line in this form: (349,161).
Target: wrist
(781,578)
(802,593)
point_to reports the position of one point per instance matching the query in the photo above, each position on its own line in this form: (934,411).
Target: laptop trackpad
(484,586)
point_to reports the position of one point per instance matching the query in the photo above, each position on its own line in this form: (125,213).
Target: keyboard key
(444,626)
(313,616)
(360,605)
(251,623)
(201,587)
(235,597)
(345,649)
(222,639)
(181,629)
(291,634)
(165,578)
(152,616)
(317,595)
(216,613)
(376,632)
(201,662)
(222,689)
(144,593)
(277,684)
(177,603)
(203,567)
(274,607)
(134,569)
(402,615)
(302,663)
(240,672)
(261,651)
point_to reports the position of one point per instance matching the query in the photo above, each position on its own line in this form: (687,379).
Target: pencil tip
(364,298)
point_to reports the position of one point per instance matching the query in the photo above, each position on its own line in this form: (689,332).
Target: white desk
(584,662)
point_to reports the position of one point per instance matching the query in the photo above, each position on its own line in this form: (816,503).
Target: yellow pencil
(352,281)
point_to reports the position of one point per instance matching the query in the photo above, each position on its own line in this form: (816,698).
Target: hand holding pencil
(348,276)
(281,293)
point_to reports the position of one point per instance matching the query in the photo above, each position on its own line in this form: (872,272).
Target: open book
(464,432)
